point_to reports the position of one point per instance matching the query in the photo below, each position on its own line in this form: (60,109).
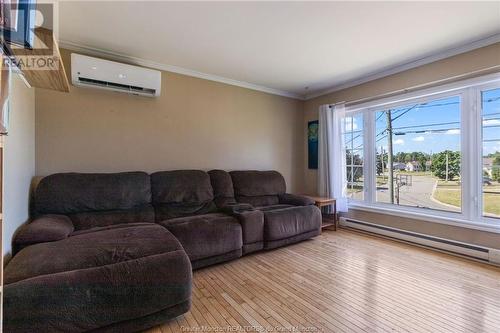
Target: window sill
(492,226)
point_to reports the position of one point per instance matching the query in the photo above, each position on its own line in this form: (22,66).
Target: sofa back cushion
(223,187)
(258,188)
(96,199)
(181,193)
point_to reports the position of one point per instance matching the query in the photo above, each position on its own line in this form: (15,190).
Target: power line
(353,139)
(491,114)
(437,105)
(495,118)
(490,100)
(428,125)
(441,130)
(402,114)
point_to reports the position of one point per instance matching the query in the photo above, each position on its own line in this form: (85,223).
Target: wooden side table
(322,202)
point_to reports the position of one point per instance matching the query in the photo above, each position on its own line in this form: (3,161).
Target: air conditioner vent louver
(116,85)
(104,74)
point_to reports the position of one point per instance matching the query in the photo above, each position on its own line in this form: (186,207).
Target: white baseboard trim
(470,251)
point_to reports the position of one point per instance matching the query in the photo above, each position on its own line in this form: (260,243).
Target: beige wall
(19,160)
(476,60)
(196,124)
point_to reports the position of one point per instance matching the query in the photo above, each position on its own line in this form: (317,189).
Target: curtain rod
(332,105)
(488,70)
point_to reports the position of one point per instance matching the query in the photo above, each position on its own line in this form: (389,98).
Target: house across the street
(413,166)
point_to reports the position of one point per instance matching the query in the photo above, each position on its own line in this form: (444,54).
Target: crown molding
(409,65)
(171,68)
(351,83)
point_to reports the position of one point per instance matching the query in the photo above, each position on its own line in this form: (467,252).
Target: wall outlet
(494,256)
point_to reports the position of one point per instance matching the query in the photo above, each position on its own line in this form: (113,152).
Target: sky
(491,117)
(437,124)
(419,119)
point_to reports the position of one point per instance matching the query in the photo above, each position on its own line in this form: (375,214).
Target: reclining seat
(288,218)
(91,260)
(183,202)
(251,220)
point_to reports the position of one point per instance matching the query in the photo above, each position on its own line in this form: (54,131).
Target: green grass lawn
(448,183)
(452,197)
(381,180)
(495,187)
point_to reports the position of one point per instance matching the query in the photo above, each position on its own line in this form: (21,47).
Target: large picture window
(435,152)
(418,155)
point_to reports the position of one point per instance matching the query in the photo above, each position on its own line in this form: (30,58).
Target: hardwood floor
(344,282)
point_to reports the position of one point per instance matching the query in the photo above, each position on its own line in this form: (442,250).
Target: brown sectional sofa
(115,252)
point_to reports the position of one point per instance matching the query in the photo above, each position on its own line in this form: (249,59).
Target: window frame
(470,93)
(479,138)
(353,115)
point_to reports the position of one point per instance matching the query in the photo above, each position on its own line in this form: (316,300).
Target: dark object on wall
(5,77)
(312,144)
(18,22)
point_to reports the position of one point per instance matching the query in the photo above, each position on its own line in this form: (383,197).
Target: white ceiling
(286,46)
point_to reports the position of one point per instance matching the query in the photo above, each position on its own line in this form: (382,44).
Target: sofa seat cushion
(254,183)
(258,188)
(207,235)
(96,199)
(273,207)
(67,193)
(181,193)
(87,220)
(96,279)
(223,187)
(289,222)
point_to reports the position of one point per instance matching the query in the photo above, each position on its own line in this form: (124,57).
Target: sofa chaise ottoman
(98,281)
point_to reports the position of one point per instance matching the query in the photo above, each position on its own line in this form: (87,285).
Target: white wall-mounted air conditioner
(104,74)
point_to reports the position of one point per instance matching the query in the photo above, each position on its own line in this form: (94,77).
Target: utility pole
(446,167)
(382,161)
(390,165)
(352,155)
(398,184)
(432,173)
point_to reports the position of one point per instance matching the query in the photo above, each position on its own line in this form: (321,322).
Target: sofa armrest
(47,228)
(295,200)
(251,221)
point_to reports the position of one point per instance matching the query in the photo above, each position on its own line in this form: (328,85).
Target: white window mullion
(468,170)
(479,215)
(369,157)
(476,141)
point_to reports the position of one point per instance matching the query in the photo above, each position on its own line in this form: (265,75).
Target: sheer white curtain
(332,181)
